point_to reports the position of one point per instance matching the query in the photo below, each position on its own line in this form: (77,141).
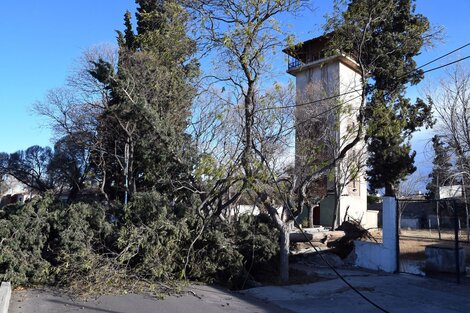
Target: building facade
(328,98)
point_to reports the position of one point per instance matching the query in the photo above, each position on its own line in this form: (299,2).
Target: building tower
(328,96)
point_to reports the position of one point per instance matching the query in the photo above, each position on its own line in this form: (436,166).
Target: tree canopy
(441,168)
(150,95)
(384,37)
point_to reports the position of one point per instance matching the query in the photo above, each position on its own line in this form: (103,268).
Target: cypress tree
(150,96)
(384,36)
(441,168)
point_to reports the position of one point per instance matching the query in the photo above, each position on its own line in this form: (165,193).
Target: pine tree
(384,36)
(441,169)
(150,96)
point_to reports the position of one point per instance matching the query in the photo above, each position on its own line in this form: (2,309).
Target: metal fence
(434,238)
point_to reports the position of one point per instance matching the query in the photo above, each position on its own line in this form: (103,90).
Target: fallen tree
(316,236)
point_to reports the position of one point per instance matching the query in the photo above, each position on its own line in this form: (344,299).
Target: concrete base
(381,256)
(5,294)
(375,256)
(442,259)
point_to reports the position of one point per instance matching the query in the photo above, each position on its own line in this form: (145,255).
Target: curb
(5,294)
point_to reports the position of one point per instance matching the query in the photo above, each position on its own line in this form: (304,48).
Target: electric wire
(297,225)
(360,90)
(341,277)
(333,268)
(443,56)
(290,210)
(447,64)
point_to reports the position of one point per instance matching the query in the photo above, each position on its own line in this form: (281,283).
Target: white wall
(354,196)
(381,256)
(371,220)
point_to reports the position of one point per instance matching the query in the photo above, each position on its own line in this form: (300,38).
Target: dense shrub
(77,242)
(230,253)
(24,230)
(151,238)
(90,247)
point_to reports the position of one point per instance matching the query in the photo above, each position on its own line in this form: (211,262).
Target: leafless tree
(243,34)
(452,107)
(408,189)
(73,111)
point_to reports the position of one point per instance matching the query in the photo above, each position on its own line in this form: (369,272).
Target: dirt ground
(414,241)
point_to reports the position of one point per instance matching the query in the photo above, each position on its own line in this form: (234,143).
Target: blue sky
(41,40)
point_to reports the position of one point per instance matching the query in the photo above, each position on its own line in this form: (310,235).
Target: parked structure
(328,98)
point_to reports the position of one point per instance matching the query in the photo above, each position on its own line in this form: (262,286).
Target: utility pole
(436,197)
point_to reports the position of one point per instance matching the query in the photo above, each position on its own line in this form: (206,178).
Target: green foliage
(232,253)
(143,126)
(215,257)
(29,167)
(372,199)
(85,248)
(151,238)
(441,168)
(24,230)
(384,37)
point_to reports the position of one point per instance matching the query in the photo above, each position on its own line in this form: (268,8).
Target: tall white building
(328,98)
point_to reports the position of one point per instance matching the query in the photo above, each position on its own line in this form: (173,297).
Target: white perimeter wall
(381,256)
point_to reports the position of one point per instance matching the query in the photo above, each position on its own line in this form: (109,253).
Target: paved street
(204,299)
(395,293)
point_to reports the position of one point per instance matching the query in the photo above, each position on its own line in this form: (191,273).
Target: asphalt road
(394,293)
(201,299)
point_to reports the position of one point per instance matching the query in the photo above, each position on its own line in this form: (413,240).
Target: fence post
(456,233)
(390,227)
(397,237)
(438,221)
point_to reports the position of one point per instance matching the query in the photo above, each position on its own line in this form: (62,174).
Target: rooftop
(312,53)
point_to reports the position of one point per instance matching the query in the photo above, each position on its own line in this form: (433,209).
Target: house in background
(454,191)
(328,96)
(12,191)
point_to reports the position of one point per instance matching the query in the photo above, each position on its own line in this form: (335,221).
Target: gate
(434,238)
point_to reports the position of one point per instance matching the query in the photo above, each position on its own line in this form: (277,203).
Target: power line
(443,56)
(286,204)
(338,106)
(334,107)
(447,64)
(333,268)
(360,90)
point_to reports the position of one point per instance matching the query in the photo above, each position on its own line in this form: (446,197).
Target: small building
(328,96)
(454,191)
(13,191)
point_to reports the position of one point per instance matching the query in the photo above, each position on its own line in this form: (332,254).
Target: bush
(77,244)
(151,238)
(86,248)
(229,253)
(24,231)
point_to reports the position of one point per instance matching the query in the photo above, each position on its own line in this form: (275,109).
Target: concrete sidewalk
(394,293)
(201,299)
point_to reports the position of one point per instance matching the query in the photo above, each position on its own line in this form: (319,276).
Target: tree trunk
(320,236)
(284,253)
(389,190)
(310,215)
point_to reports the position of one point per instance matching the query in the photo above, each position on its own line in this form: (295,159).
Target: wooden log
(321,236)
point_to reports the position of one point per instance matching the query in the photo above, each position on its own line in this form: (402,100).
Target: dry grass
(414,241)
